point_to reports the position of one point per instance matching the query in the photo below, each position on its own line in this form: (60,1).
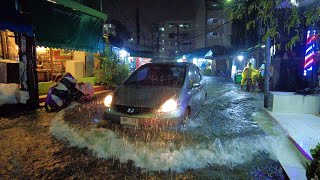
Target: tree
(294,18)
(313,168)
(112,71)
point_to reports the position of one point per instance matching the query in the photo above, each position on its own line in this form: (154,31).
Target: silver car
(157,93)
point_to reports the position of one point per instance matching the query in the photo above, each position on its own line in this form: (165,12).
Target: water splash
(106,143)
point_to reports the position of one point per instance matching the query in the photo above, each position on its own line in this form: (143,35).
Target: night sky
(151,10)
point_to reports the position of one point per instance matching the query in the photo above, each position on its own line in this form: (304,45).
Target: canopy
(197,53)
(143,54)
(207,52)
(58,26)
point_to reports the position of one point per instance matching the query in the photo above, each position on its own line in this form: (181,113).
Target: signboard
(141,61)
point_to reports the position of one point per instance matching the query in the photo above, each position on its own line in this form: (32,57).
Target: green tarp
(57,26)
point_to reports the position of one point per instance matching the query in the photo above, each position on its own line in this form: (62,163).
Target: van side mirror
(195,84)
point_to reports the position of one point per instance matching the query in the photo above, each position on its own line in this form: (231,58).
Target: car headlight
(169,105)
(108,100)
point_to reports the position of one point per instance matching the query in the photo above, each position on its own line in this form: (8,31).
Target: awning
(143,54)
(11,19)
(207,52)
(60,26)
(196,53)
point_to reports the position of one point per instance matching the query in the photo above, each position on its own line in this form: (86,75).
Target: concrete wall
(288,102)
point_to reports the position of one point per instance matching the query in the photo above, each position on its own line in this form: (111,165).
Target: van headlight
(108,100)
(169,106)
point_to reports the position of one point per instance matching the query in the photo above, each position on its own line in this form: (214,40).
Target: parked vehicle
(157,93)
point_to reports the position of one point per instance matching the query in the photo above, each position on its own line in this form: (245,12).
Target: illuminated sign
(310,52)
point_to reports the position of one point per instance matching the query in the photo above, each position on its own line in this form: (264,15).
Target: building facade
(172,38)
(212,26)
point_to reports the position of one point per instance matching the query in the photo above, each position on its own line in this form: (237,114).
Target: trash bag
(87,89)
(8,93)
(306,91)
(62,93)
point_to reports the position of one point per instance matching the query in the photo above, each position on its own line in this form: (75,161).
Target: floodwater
(221,142)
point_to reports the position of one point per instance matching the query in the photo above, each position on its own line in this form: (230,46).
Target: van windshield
(158,75)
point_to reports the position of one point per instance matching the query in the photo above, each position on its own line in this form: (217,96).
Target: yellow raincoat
(248,73)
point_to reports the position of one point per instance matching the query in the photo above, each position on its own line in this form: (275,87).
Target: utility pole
(268,57)
(267,71)
(205,23)
(246,30)
(138,26)
(178,37)
(101,5)
(190,41)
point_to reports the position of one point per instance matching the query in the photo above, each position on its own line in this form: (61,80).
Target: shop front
(52,63)
(42,40)
(68,35)
(16,55)
(206,59)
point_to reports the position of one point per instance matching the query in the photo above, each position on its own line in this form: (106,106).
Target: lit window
(212,35)
(211,21)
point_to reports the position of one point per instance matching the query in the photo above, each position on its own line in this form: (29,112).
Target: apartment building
(172,38)
(212,27)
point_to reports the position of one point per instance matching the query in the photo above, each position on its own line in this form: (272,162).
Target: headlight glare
(108,100)
(169,105)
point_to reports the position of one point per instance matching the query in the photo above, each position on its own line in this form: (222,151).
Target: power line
(213,29)
(131,21)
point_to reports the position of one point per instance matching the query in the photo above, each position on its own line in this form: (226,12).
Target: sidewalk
(303,131)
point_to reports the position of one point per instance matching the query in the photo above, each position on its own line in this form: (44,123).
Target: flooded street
(221,142)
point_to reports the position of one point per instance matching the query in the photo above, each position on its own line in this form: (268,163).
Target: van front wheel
(186,118)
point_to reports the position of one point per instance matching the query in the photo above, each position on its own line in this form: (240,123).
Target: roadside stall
(16,41)
(67,36)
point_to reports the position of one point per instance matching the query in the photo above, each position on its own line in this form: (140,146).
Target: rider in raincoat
(247,75)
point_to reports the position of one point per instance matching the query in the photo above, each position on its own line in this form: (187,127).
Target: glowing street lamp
(123,53)
(240,57)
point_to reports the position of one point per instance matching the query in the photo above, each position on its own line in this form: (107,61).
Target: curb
(300,149)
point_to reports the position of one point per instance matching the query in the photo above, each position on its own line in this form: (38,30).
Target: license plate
(129,121)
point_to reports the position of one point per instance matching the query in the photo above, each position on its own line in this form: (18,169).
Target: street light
(123,53)
(240,57)
(195,60)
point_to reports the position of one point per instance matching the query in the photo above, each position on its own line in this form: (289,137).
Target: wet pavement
(221,142)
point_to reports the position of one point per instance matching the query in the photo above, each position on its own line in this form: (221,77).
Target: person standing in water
(247,75)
